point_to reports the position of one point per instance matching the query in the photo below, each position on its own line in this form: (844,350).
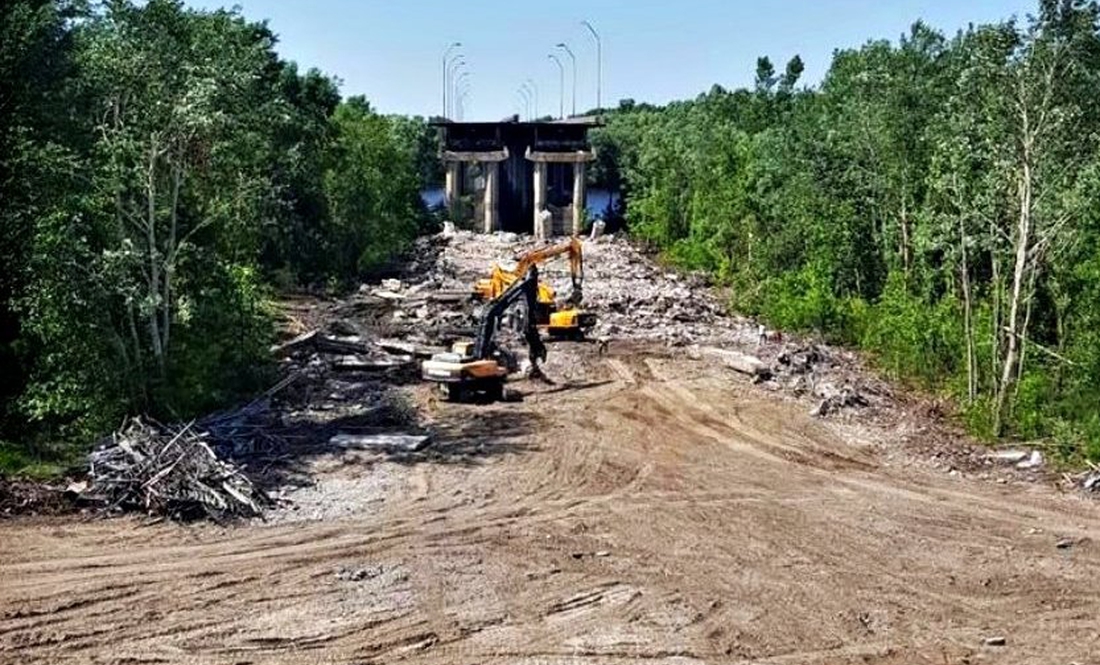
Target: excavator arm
(500,279)
(572,247)
(526,290)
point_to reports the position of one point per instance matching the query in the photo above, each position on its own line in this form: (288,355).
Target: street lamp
(526,100)
(460,100)
(457,63)
(561,85)
(446,55)
(458,86)
(565,47)
(534,90)
(599,65)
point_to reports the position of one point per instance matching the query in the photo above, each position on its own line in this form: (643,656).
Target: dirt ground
(645,507)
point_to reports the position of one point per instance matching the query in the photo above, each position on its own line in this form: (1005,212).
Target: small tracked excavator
(559,320)
(481,367)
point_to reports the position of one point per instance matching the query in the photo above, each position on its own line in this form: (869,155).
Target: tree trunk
(996,295)
(968,317)
(154,259)
(1009,369)
(1030,298)
(906,252)
(170,264)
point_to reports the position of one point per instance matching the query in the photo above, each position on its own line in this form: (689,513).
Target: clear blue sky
(654,50)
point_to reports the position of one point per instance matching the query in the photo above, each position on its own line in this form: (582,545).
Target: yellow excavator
(481,367)
(558,320)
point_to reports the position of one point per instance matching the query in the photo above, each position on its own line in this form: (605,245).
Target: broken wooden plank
(340,347)
(288,347)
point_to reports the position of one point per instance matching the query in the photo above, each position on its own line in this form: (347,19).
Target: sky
(653,50)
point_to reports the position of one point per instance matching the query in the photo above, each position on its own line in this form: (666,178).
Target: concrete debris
(740,362)
(359,364)
(403,443)
(386,294)
(1009,456)
(635,299)
(346,574)
(836,400)
(598,227)
(1034,461)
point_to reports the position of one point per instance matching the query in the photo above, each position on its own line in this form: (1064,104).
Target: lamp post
(599,65)
(526,96)
(460,100)
(534,90)
(456,64)
(455,84)
(561,85)
(460,86)
(565,47)
(446,55)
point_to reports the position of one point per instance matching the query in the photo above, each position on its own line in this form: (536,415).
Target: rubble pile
(636,299)
(173,471)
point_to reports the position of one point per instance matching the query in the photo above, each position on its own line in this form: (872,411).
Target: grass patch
(17,462)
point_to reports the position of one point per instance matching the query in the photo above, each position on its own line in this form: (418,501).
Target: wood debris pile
(174,471)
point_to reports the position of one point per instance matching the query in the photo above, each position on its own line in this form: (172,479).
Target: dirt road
(643,509)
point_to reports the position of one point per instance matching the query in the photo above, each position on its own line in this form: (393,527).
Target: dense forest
(162,173)
(935,201)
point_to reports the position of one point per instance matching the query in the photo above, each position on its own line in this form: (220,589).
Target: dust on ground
(650,504)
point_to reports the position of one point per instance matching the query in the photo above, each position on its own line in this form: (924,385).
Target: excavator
(482,366)
(558,320)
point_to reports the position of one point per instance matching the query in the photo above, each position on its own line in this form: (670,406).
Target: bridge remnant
(503,176)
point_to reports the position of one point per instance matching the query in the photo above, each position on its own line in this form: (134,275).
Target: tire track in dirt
(673,515)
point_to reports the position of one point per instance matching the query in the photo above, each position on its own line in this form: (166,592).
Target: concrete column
(450,186)
(540,196)
(579,184)
(492,195)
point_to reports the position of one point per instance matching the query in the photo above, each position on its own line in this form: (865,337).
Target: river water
(599,200)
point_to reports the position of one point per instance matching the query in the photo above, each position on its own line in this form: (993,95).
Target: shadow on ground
(309,416)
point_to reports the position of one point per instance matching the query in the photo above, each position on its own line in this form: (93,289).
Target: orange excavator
(557,319)
(482,366)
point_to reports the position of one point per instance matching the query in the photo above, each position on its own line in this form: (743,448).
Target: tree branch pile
(174,471)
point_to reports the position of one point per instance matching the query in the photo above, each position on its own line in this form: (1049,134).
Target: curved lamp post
(534,90)
(457,63)
(561,85)
(565,47)
(599,65)
(462,76)
(446,56)
(526,96)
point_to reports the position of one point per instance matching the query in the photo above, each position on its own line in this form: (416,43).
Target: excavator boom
(558,320)
(500,279)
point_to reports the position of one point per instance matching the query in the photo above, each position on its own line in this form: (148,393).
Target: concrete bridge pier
(490,162)
(579,159)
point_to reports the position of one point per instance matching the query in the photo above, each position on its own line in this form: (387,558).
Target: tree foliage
(934,200)
(162,169)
